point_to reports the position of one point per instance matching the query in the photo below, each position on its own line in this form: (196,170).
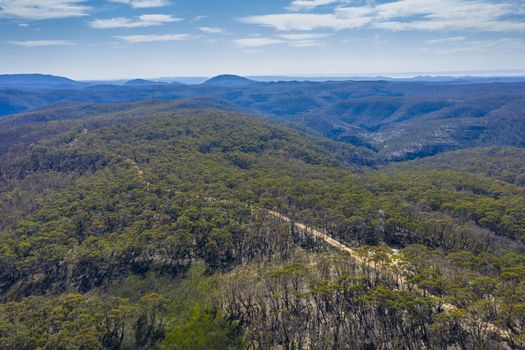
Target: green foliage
(141,218)
(66,322)
(205,329)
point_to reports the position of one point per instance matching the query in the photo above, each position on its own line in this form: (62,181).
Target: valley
(398,120)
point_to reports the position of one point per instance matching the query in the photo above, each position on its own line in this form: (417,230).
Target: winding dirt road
(401,280)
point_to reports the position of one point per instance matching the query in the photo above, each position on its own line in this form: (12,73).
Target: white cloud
(302,36)
(304,43)
(304,21)
(140,4)
(453,39)
(479,15)
(303,39)
(296,40)
(39,43)
(257,42)
(141,21)
(153,38)
(298,5)
(43,9)
(483,15)
(212,30)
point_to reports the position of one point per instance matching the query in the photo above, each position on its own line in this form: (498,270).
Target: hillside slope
(503,163)
(136,225)
(37,81)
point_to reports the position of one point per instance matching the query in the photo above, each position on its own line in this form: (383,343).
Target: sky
(123,39)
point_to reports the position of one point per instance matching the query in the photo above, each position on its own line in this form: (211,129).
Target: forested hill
(503,163)
(37,82)
(146,225)
(397,119)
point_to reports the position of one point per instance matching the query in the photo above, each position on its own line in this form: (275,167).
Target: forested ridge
(137,226)
(399,120)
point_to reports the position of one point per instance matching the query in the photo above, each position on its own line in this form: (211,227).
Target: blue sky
(113,39)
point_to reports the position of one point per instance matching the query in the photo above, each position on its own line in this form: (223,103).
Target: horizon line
(507,73)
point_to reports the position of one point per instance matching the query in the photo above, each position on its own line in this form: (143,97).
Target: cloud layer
(43,9)
(138,4)
(295,40)
(135,39)
(39,43)
(212,30)
(298,5)
(51,9)
(257,42)
(479,15)
(140,21)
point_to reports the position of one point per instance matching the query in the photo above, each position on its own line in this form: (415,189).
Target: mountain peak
(228,80)
(143,82)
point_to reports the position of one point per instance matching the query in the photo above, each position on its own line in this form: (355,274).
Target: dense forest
(182,225)
(398,119)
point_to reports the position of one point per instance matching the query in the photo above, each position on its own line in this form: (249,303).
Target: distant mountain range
(398,120)
(43,81)
(143,82)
